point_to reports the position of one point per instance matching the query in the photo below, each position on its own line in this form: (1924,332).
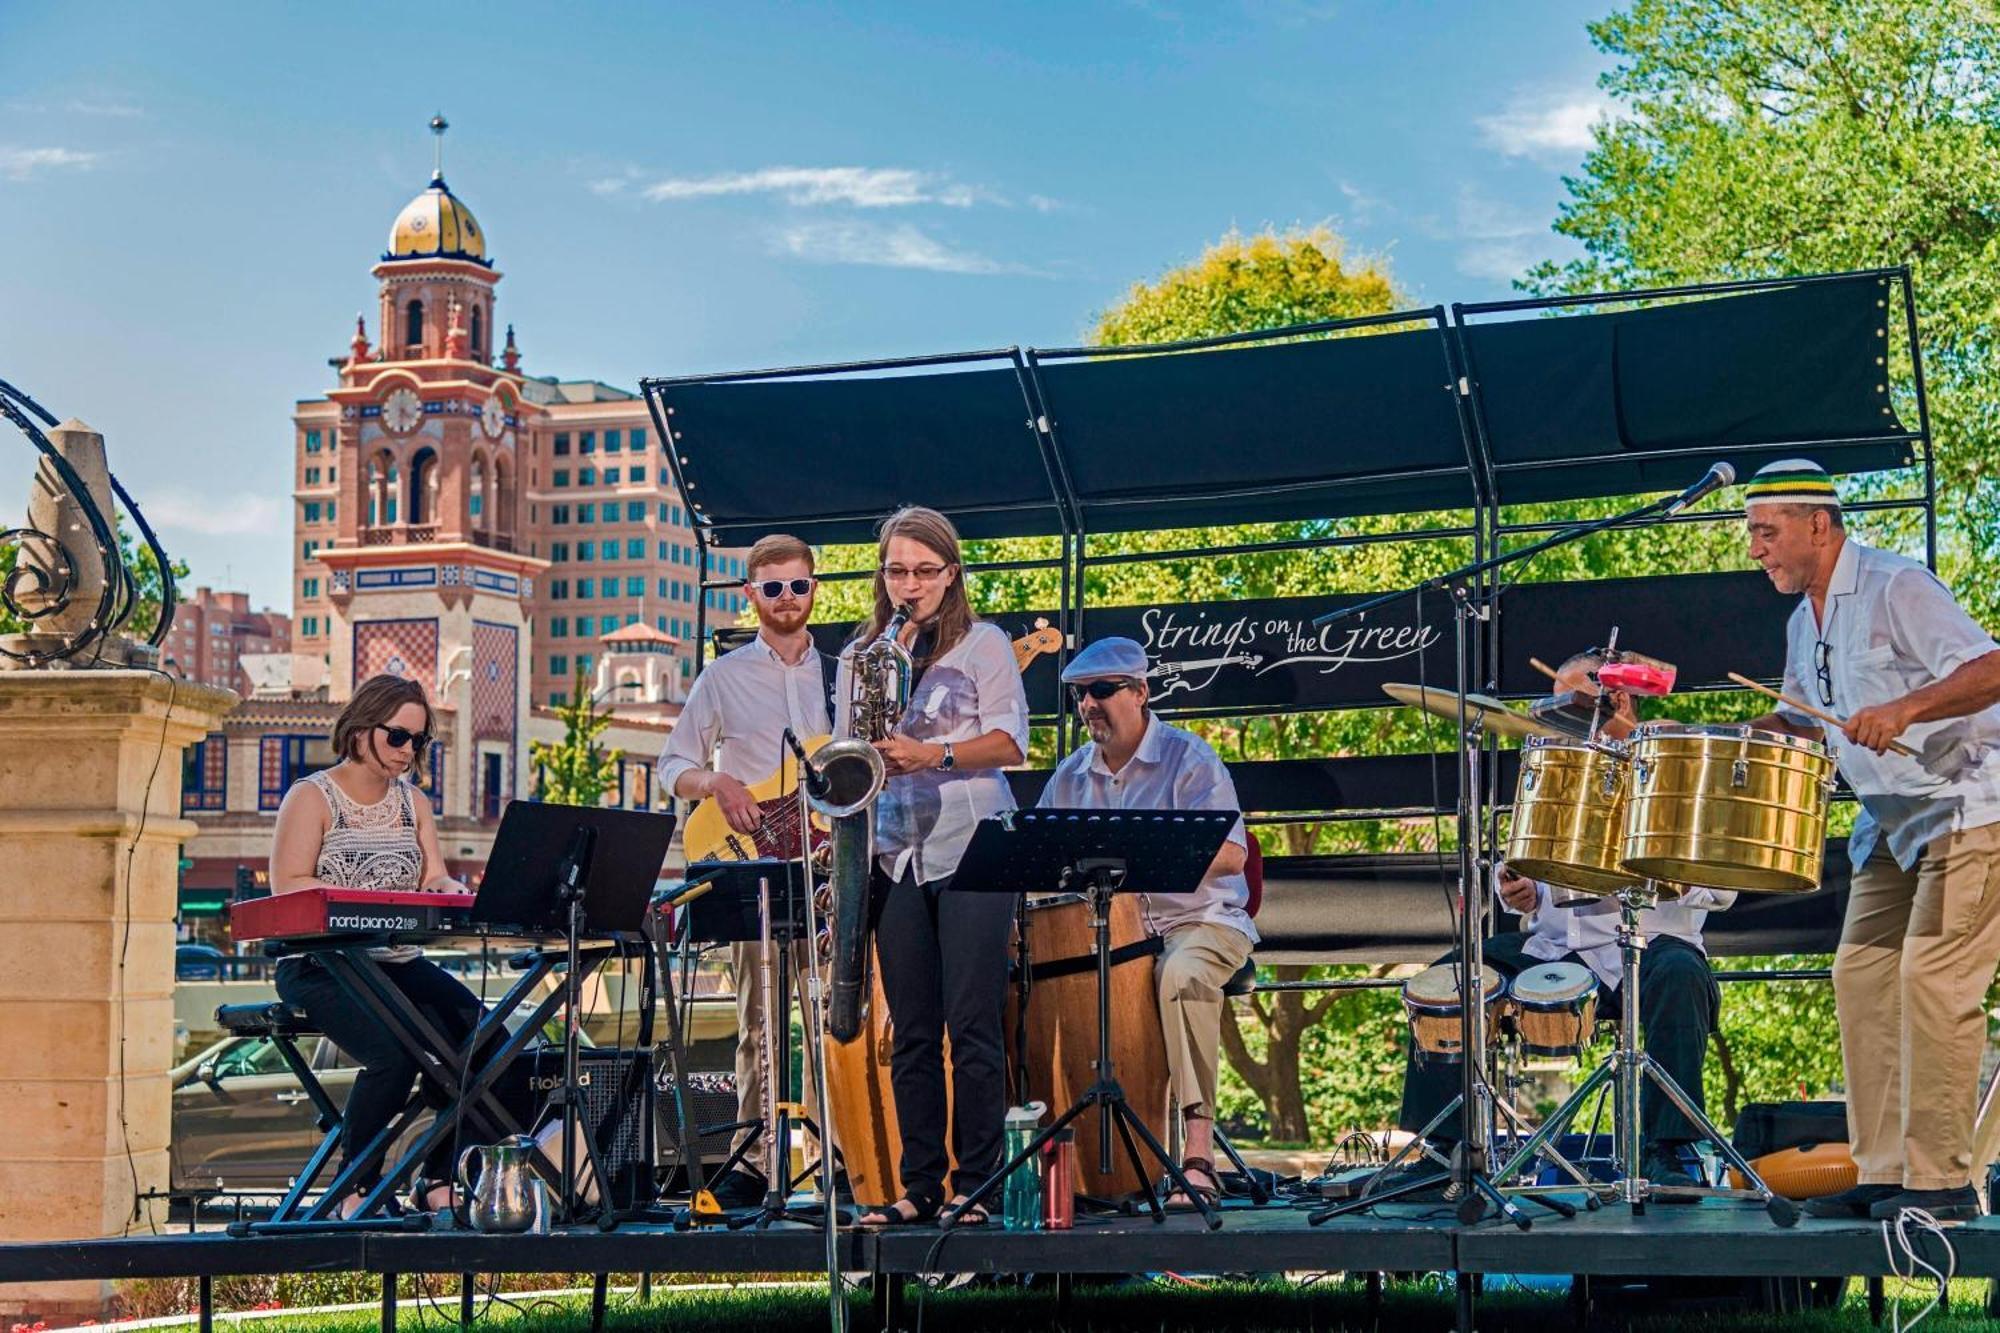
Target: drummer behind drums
(1134,761)
(1878,640)
(1678,997)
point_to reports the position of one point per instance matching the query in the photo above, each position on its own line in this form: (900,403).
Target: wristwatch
(950,760)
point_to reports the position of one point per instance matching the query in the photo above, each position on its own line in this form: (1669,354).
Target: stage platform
(1713,1237)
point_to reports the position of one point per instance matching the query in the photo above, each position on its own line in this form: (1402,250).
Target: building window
(637,474)
(561,477)
(611,476)
(638,439)
(586,589)
(663,511)
(635,548)
(635,510)
(677,514)
(434,777)
(557,698)
(281,761)
(663,550)
(205,774)
(312,476)
(558,551)
(583,662)
(586,442)
(663,588)
(586,476)
(558,590)
(312,511)
(559,627)
(310,588)
(310,549)
(310,626)
(610,441)
(558,513)
(635,585)
(561,449)
(661,621)
(478,333)
(329,511)
(558,664)
(611,512)
(312,441)
(586,513)
(585,626)
(586,550)
(413,323)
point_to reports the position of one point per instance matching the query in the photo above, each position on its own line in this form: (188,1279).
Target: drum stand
(1628,1067)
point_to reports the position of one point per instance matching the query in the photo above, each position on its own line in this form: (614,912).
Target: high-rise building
(214,631)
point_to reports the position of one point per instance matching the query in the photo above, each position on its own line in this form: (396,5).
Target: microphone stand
(1469,1171)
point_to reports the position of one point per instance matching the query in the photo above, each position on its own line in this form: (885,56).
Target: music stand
(601,882)
(763,899)
(1097,853)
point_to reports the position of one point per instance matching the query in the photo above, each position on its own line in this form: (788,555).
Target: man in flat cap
(1876,639)
(1134,761)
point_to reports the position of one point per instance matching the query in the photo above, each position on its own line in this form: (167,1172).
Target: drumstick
(1543,667)
(1809,710)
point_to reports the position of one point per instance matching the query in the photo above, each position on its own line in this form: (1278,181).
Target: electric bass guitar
(707,836)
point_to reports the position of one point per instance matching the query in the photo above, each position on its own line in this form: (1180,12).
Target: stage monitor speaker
(711,1102)
(613,1086)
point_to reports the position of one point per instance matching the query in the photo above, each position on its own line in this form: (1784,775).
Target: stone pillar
(90,834)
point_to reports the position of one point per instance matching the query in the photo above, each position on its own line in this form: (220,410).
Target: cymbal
(1497,717)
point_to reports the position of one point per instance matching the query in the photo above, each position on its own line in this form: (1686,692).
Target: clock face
(492,417)
(402,410)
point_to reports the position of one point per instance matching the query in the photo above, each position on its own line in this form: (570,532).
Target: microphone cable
(1897,1237)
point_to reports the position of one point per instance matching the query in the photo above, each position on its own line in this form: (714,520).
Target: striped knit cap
(1792,481)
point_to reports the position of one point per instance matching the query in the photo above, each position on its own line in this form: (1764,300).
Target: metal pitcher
(505,1198)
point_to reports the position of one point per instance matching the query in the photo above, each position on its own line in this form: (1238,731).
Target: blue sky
(191,195)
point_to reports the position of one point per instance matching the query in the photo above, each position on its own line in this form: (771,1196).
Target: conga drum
(1062,1027)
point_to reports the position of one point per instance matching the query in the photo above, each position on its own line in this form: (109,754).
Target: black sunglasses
(398,737)
(1099,690)
(1822,667)
(774,588)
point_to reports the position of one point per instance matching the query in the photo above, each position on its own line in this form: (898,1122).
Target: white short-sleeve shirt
(1889,628)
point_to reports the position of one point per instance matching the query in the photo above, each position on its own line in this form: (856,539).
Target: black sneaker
(1959,1205)
(740,1189)
(1850,1203)
(1662,1166)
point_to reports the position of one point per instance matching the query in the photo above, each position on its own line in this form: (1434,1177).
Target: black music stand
(763,900)
(600,883)
(1097,853)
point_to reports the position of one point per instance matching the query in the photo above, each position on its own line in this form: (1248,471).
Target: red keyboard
(310,917)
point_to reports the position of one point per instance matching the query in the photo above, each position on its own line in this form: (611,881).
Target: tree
(576,770)
(1765,138)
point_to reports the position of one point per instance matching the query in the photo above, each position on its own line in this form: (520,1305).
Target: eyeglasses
(776,588)
(1099,690)
(1822,660)
(398,737)
(921,573)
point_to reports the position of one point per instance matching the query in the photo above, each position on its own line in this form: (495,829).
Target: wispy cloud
(1363,205)
(811,187)
(79,106)
(244,514)
(1547,123)
(898,246)
(1498,240)
(23,163)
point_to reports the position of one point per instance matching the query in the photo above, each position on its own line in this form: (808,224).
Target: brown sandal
(1210,1194)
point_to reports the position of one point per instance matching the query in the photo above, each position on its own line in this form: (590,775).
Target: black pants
(944,971)
(1678,1003)
(382,1087)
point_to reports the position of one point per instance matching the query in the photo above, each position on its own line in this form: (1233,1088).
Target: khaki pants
(750,1023)
(1917,954)
(1194,963)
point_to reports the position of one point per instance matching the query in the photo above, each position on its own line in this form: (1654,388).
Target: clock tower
(426,571)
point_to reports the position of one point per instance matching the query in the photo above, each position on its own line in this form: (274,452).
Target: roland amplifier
(613,1086)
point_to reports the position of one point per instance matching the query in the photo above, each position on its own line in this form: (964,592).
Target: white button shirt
(1890,627)
(923,821)
(742,702)
(1590,930)
(1172,769)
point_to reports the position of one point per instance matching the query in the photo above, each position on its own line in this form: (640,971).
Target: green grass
(1418,1305)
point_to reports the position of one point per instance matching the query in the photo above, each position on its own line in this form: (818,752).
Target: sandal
(1209,1194)
(958,1215)
(892,1215)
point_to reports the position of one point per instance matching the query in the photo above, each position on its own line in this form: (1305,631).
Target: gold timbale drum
(1730,807)
(1726,807)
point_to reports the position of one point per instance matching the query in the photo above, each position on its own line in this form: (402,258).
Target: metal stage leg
(465,1281)
(1878,1305)
(1462,1284)
(597,1285)
(207,1302)
(388,1303)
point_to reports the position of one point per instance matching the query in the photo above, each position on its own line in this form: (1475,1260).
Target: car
(200,962)
(243,1123)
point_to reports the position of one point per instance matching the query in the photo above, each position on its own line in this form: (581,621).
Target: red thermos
(1059,1182)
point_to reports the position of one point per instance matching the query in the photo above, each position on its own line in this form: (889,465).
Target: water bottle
(1059,1182)
(1022,1193)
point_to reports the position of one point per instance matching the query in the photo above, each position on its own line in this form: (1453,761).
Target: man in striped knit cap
(1877,640)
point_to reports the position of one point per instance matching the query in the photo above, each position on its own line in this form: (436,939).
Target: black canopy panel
(1640,400)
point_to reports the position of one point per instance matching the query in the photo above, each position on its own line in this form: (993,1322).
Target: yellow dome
(437,224)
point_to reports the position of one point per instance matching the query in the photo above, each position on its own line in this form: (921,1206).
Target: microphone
(1722,474)
(816,783)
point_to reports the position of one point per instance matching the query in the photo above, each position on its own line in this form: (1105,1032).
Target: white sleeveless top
(371,847)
